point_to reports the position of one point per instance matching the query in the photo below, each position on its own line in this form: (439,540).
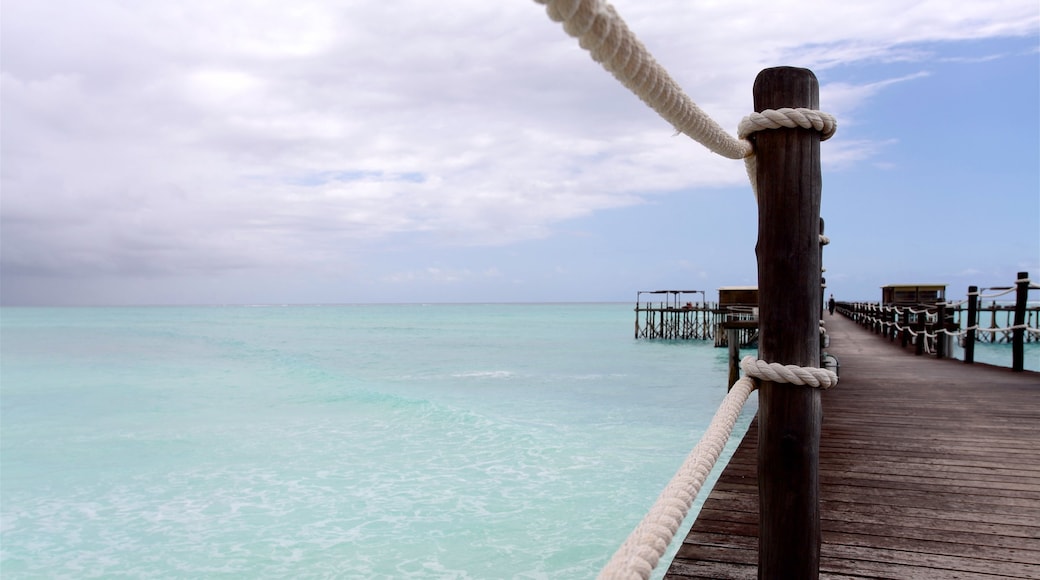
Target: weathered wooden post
(940,332)
(823,281)
(789,187)
(1019,334)
(973,321)
(637,315)
(733,344)
(993,308)
(922,333)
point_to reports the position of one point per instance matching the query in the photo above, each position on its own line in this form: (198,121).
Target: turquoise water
(459,441)
(1000,354)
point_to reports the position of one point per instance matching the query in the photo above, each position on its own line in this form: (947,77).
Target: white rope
(954,303)
(789,118)
(998,294)
(778,119)
(1007,329)
(639,554)
(1004,330)
(601,31)
(611,43)
(790,374)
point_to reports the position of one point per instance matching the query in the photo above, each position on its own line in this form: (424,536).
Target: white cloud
(202,134)
(438,275)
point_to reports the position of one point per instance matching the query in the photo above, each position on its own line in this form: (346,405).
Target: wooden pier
(929,468)
(676,315)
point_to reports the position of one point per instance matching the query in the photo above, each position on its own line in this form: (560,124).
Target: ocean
(376,441)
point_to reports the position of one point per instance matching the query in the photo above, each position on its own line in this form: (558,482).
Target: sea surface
(1000,354)
(404,441)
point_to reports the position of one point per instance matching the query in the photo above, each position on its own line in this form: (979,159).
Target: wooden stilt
(789,190)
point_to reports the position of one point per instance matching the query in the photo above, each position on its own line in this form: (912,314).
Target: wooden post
(993,337)
(1019,334)
(922,333)
(940,332)
(823,281)
(973,321)
(789,186)
(733,342)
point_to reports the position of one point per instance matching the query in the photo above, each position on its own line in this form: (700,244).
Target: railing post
(973,321)
(823,281)
(789,187)
(940,332)
(733,344)
(922,333)
(1019,334)
(993,308)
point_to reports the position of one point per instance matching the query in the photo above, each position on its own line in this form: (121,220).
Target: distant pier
(685,315)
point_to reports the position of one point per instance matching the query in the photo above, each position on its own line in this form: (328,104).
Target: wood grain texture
(789,294)
(929,468)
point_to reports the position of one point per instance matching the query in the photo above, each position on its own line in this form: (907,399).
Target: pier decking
(929,468)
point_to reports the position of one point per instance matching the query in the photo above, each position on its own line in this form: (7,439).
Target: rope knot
(790,374)
(788,118)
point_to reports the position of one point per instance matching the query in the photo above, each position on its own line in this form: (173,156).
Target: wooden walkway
(928,469)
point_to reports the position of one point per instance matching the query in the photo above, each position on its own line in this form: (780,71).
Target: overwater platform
(929,468)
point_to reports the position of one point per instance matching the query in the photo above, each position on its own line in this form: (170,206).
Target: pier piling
(789,271)
(1019,334)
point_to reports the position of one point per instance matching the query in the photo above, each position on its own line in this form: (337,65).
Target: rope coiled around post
(789,118)
(790,374)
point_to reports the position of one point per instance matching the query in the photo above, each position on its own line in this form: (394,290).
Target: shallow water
(463,441)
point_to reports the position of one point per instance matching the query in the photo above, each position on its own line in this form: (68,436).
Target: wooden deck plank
(928,469)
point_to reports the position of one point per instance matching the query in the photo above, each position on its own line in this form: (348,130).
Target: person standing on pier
(830,305)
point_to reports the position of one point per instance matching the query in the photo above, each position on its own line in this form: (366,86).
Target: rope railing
(932,317)
(930,326)
(608,39)
(601,31)
(639,554)
(1004,292)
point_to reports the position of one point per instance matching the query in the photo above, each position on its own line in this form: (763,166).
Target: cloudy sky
(237,151)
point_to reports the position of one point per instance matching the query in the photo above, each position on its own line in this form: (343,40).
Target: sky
(368,151)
